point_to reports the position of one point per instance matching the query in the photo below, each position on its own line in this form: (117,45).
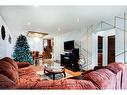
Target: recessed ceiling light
(78,20)
(36,5)
(59,29)
(28,23)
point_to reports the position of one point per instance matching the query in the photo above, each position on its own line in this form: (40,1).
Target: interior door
(100,50)
(111,49)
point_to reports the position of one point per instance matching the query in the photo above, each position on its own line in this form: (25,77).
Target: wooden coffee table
(54,70)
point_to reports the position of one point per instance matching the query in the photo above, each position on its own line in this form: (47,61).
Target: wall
(78,36)
(6,48)
(105,35)
(89,42)
(36,44)
(119,42)
(119,47)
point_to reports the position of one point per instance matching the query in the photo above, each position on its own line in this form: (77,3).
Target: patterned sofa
(22,75)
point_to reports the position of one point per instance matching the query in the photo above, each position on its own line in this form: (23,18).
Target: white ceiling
(56,19)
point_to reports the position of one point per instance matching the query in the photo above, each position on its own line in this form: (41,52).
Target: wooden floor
(72,72)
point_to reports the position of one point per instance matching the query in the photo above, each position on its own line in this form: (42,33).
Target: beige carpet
(40,71)
(49,77)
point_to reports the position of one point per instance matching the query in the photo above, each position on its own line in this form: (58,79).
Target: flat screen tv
(68,45)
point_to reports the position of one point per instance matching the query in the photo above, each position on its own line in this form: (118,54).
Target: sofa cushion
(124,78)
(27,77)
(11,61)
(58,84)
(98,67)
(27,70)
(22,64)
(9,71)
(121,74)
(119,69)
(28,81)
(115,67)
(85,72)
(6,83)
(102,78)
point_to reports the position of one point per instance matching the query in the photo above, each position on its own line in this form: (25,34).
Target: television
(68,45)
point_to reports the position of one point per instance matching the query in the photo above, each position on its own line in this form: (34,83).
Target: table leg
(44,71)
(53,76)
(64,74)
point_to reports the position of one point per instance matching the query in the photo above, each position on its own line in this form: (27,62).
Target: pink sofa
(22,75)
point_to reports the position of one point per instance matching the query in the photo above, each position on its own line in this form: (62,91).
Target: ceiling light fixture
(36,39)
(36,34)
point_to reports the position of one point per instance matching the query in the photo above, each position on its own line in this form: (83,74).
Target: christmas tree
(21,52)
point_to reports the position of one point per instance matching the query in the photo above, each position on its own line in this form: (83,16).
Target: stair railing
(83,55)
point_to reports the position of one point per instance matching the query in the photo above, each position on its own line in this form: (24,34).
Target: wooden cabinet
(70,60)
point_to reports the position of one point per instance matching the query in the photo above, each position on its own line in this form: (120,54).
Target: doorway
(48,48)
(111,49)
(100,50)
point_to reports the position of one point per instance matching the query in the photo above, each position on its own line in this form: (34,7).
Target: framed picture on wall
(9,39)
(3,32)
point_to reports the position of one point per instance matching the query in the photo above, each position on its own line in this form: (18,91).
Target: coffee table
(54,70)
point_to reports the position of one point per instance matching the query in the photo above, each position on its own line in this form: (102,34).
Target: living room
(71,36)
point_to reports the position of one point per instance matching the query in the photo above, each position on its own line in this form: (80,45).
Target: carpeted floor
(50,76)
(69,73)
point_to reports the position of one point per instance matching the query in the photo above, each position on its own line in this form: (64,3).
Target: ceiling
(56,19)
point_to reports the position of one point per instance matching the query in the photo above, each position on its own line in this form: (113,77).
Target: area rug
(50,76)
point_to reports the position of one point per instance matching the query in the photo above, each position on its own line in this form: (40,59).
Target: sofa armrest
(22,64)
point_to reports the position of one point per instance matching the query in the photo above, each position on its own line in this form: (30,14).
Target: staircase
(85,57)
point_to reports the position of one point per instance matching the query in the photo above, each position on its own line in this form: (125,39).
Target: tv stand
(70,60)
